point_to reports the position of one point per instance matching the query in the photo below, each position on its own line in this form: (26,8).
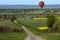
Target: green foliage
(13,18)
(51,20)
(56,27)
(5,16)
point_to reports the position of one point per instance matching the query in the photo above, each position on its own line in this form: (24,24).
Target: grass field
(11,35)
(32,25)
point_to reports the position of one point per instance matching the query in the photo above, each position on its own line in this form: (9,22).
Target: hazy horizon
(28,2)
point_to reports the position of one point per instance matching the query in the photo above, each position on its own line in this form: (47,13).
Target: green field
(11,35)
(24,17)
(32,25)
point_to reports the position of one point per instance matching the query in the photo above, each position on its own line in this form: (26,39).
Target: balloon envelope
(41,4)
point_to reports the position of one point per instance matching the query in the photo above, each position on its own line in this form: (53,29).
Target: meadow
(11,35)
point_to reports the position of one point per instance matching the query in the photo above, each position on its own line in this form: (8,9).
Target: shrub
(51,20)
(5,16)
(13,18)
(56,26)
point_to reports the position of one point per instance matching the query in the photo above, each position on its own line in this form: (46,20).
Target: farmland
(33,25)
(31,19)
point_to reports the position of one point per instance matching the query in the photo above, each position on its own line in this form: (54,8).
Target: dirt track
(30,35)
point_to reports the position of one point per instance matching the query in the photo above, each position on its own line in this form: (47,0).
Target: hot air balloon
(41,4)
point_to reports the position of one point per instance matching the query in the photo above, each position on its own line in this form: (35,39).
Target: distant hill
(52,6)
(27,6)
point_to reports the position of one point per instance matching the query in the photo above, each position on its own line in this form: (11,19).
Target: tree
(0,16)
(5,16)
(13,18)
(51,20)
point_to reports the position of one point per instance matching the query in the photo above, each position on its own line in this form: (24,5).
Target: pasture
(33,25)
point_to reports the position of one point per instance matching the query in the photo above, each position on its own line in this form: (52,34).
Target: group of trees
(51,20)
(13,17)
(52,23)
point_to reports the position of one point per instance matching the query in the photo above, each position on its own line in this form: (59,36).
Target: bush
(5,16)
(51,20)
(13,18)
(56,26)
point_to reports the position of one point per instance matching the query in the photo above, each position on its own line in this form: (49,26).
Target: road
(31,36)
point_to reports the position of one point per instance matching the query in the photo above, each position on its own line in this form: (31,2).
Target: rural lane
(30,35)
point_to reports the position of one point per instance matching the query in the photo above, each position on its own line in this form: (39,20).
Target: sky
(28,2)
